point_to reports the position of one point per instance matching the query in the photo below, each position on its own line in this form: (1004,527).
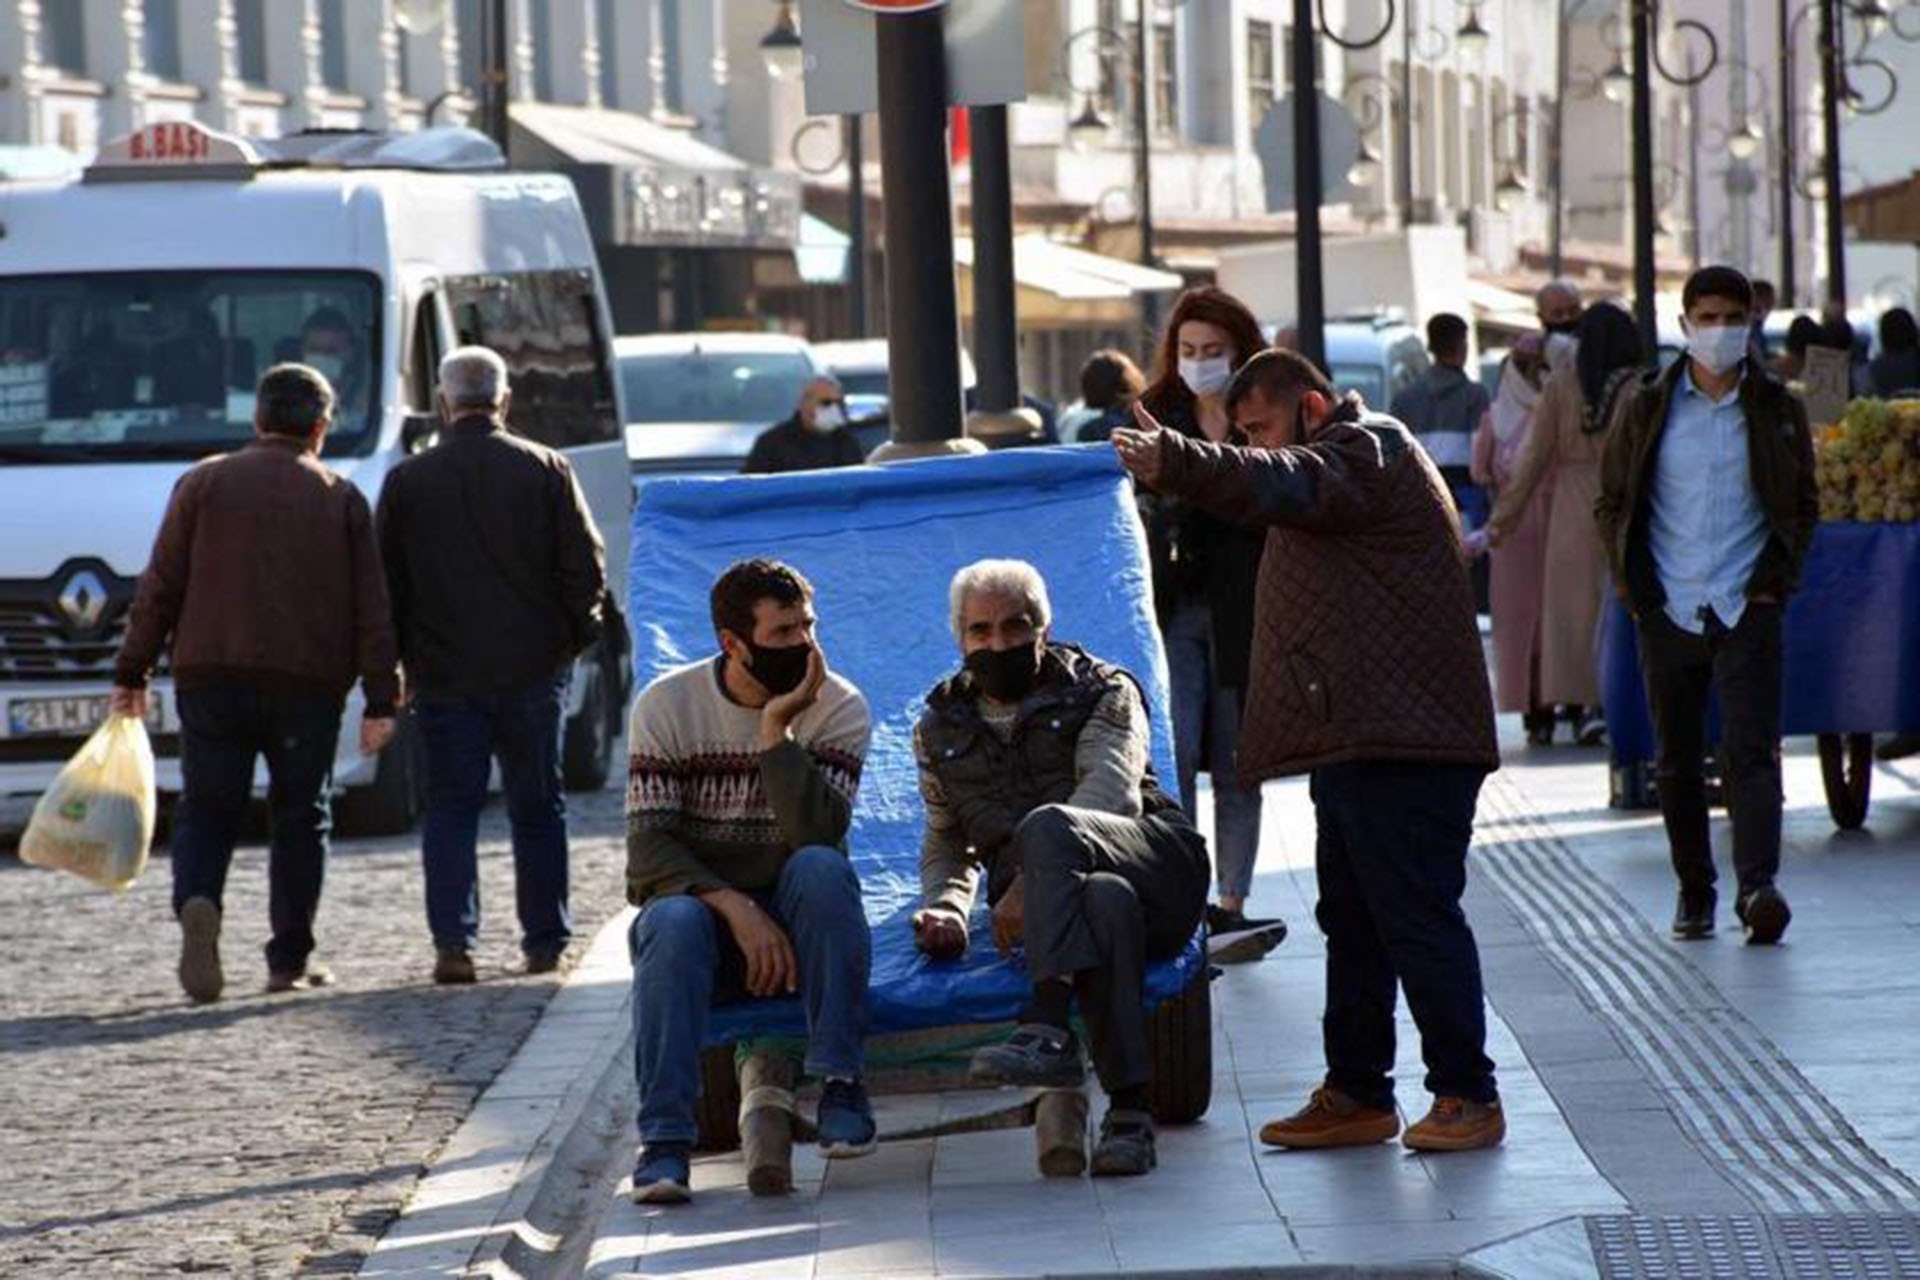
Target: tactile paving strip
(1745,1106)
(1757,1247)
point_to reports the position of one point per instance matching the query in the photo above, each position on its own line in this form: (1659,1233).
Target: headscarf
(1610,352)
(1516,397)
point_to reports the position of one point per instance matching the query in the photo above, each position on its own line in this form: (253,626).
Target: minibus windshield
(143,365)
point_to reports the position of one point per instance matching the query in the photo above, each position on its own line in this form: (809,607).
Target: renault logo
(83,600)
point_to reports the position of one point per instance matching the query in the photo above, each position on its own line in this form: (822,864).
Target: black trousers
(1742,665)
(1105,895)
(223,729)
(1392,864)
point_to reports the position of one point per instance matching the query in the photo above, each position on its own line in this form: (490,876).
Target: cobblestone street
(269,1135)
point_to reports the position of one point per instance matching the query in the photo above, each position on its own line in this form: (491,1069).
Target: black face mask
(1571,327)
(1005,675)
(780,671)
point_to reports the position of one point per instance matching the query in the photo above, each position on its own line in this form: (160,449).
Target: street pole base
(907,450)
(997,429)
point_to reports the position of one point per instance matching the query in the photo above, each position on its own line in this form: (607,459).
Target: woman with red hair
(1203,580)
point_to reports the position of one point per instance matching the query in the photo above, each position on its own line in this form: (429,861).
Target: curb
(525,1167)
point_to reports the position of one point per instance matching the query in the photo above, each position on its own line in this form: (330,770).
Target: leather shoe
(1332,1119)
(1458,1124)
(453,967)
(1765,913)
(1693,917)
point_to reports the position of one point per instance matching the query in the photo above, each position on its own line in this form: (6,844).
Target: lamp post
(1309,24)
(1089,128)
(1644,18)
(851,154)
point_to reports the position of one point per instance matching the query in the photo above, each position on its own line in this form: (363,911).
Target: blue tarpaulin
(1850,643)
(880,545)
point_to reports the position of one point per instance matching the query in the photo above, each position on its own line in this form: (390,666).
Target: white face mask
(1206,377)
(1718,347)
(828,417)
(327,366)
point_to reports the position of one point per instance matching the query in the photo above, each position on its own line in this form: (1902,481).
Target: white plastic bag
(96,820)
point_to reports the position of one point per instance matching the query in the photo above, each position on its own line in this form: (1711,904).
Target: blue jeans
(685,962)
(1206,734)
(223,729)
(462,735)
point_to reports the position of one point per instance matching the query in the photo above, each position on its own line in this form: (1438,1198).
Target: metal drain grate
(1630,1247)
(1774,1247)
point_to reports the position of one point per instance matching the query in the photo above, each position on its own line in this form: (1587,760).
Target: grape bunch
(1869,462)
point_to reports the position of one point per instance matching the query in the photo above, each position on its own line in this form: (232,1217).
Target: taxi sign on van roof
(177,144)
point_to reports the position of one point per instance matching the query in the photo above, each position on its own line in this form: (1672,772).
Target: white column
(373,60)
(569,43)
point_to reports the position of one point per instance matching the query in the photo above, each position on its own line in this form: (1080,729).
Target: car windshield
(713,386)
(1362,378)
(163,364)
(863,382)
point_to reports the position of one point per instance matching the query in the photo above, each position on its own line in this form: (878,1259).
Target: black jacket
(497,574)
(1197,557)
(792,446)
(1779,453)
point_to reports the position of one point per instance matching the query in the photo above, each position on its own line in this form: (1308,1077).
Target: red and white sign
(167,143)
(896,6)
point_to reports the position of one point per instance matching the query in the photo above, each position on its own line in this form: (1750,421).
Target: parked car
(695,402)
(1374,354)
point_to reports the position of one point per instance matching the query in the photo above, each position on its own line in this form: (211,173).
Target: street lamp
(1645,18)
(1366,166)
(1744,143)
(1089,129)
(1616,82)
(1510,190)
(1873,17)
(1472,37)
(780,48)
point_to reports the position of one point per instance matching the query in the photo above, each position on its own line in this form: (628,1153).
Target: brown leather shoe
(453,967)
(1331,1119)
(312,977)
(1455,1124)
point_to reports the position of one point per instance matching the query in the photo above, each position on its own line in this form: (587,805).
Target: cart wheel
(1180,1044)
(1846,766)
(716,1115)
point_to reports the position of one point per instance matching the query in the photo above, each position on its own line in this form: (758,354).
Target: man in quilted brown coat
(1367,675)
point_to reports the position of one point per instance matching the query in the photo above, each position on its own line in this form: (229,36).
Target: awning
(646,185)
(1498,308)
(821,255)
(1888,213)
(1062,287)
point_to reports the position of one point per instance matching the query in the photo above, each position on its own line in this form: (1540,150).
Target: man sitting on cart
(1033,767)
(744,771)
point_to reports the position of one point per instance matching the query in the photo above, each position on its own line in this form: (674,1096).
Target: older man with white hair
(1033,766)
(498,578)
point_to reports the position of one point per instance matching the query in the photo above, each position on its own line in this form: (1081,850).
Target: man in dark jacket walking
(1707,507)
(814,438)
(498,579)
(1367,673)
(266,580)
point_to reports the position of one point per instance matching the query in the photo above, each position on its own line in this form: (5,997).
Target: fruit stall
(1851,633)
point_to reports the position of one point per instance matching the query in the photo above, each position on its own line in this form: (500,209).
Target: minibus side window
(544,325)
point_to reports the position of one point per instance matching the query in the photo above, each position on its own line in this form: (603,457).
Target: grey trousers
(1104,896)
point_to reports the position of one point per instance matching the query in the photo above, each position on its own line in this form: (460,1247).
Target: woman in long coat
(1521,560)
(1564,447)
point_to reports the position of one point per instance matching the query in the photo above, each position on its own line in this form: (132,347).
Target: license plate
(73,716)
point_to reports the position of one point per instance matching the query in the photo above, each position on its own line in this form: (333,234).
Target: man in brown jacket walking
(1367,673)
(266,579)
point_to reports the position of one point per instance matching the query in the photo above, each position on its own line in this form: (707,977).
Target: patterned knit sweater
(708,809)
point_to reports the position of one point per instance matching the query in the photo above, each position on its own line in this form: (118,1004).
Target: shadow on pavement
(324,1182)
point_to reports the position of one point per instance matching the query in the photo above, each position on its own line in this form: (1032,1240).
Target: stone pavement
(263,1135)
(1676,1109)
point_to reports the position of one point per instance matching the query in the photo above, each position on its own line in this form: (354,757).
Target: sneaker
(1590,730)
(1455,1124)
(663,1175)
(1539,725)
(312,975)
(1693,915)
(845,1121)
(1332,1119)
(200,975)
(1234,939)
(1125,1148)
(1765,913)
(1035,1055)
(1898,747)
(453,967)
(539,962)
